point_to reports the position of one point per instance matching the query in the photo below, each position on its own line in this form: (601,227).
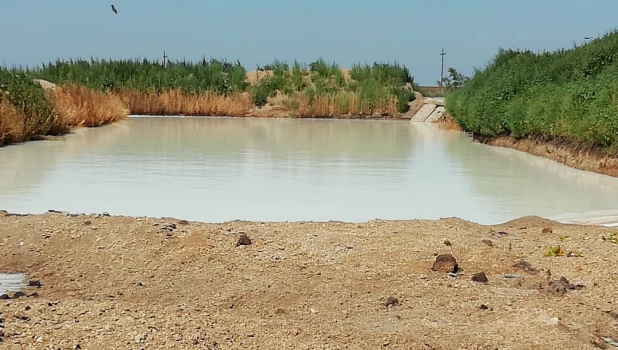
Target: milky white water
(219,169)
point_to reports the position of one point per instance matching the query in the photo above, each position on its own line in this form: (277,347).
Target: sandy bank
(133,283)
(577,156)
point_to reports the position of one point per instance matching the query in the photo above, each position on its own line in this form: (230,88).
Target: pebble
(445,263)
(488,242)
(510,275)
(525,266)
(480,277)
(547,230)
(243,239)
(392,301)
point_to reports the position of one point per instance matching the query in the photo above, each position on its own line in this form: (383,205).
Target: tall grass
(175,102)
(188,87)
(566,94)
(28,112)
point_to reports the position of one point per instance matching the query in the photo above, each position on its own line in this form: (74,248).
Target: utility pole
(164,59)
(442,54)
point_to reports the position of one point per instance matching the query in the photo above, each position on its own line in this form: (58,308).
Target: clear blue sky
(257,31)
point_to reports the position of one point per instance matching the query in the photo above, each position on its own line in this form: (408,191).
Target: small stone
(525,266)
(488,242)
(4,297)
(547,230)
(445,263)
(33,295)
(480,277)
(27,307)
(183,222)
(512,275)
(105,214)
(18,295)
(553,321)
(484,307)
(562,285)
(391,301)
(243,239)
(34,283)
(448,243)
(87,223)
(94,228)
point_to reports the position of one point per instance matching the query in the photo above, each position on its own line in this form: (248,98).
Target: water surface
(219,169)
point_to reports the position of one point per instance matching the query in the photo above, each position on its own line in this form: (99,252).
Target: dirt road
(136,283)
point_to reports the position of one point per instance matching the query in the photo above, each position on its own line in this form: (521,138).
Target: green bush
(570,94)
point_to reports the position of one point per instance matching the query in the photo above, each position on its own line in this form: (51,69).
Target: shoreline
(166,282)
(571,154)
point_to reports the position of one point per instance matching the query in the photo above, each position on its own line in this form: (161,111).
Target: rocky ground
(137,283)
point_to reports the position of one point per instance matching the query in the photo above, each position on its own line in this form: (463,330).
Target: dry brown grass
(73,106)
(12,128)
(174,102)
(448,123)
(76,105)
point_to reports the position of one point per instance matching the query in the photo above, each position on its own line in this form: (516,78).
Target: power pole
(164,59)
(442,54)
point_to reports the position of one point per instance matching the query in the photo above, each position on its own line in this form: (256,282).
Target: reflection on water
(218,169)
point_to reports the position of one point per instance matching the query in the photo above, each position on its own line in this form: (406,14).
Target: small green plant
(613,238)
(554,251)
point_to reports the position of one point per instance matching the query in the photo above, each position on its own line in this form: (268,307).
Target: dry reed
(12,125)
(77,105)
(175,102)
(73,106)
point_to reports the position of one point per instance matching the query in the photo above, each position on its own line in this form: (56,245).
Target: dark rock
(563,285)
(488,242)
(34,283)
(105,214)
(484,307)
(4,297)
(243,239)
(512,275)
(18,295)
(547,230)
(27,307)
(445,263)
(392,301)
(33,295)
(448,243)
(480,277)
(54,211)
(87,223)
(525,266)
(183,222)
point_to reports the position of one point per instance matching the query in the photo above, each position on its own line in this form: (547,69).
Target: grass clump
(315,89)
(565,94)
(28,111)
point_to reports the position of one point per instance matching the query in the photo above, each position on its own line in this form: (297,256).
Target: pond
(220,169)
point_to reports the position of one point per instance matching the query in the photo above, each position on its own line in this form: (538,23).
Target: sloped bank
(573,154)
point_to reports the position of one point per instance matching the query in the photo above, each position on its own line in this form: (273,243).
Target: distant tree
(454,79)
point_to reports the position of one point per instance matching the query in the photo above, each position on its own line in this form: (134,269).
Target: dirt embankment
(575,155)
(137,283)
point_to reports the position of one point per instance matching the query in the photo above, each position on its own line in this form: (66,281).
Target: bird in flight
(114,9)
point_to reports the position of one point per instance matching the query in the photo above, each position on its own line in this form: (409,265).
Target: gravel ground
(144,283)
